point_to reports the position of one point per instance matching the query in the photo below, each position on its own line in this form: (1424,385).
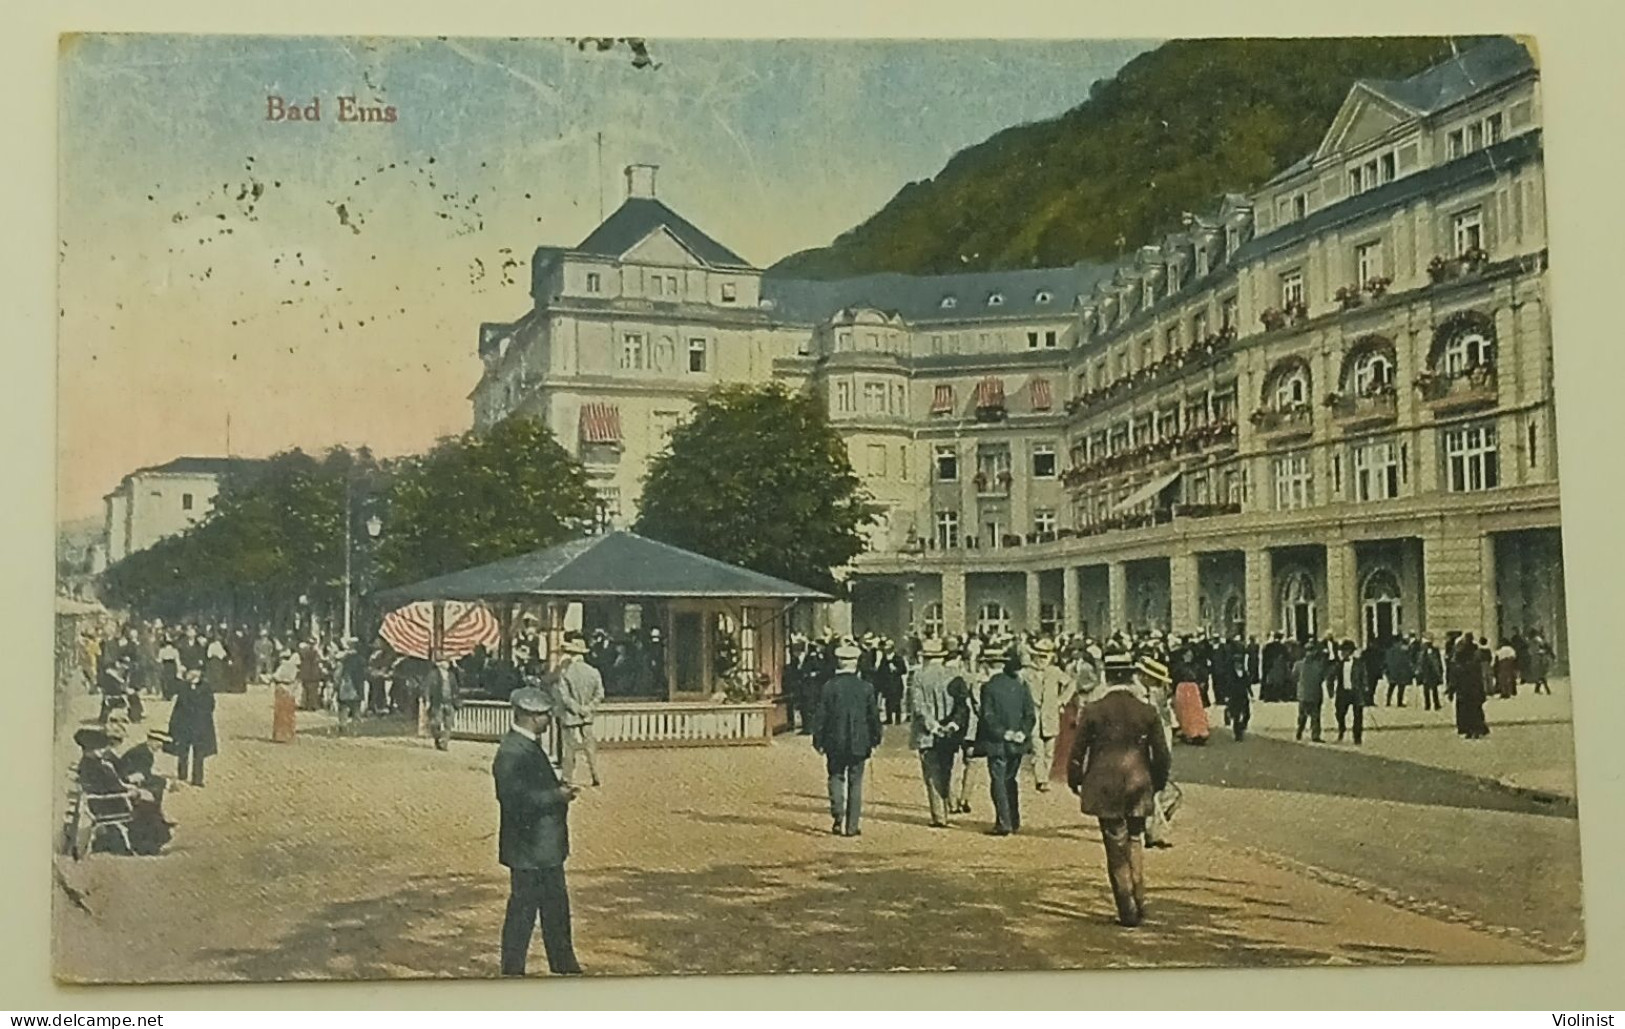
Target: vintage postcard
(624,506)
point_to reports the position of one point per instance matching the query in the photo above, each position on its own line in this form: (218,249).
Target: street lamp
(375,526)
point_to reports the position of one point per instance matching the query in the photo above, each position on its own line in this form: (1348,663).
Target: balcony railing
(1166,368)
(1283,422)
(1194,440)
(1470,387)
(1210,510)
(1351,409)
(994,485)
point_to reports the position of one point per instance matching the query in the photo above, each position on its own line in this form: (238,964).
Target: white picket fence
(640,723)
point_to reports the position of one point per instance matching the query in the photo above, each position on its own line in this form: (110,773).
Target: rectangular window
(902,462)
(658,285)
(1470,459)
(1532,452)
(947,459)
(1300,206)
(1051,338)
(936,345)
(1368,176)
(872,340)
(1294,482)
(1292,288)
(1230,314)
(594,283)
(186,498)
(1032,340)
(1468,229)
(877,460)
(874,398)
(899,400)
(1454,145)
(1175,279)
(730,292)
(1044,521)
(1388,168)
(1475,137)
(671,285)
(1354,181)
(1492,129)
(1170,339)
(1043,460)
(1367,263)
(993,465)
(1198,326)
(1376,472)
(948,529)
(843,397)
(632,353)
(696,355)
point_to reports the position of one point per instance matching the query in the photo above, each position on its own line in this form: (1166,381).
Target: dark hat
(90,738)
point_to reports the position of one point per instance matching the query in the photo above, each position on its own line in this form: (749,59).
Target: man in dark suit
(848,732)
(1005,733)
(1351,681)
(1120,760)
(534,839)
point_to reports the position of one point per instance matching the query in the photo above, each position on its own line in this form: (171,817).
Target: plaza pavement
(375,857)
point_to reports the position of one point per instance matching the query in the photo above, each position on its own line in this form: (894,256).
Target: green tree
(758,477)
(479,498)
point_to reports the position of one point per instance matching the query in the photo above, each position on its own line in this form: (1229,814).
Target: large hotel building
(1325,406)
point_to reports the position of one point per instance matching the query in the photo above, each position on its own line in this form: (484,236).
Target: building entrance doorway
(1299,612)
(1382,606)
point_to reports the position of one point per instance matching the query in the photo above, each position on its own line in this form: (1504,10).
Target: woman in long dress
(1467,687)
(1506,671)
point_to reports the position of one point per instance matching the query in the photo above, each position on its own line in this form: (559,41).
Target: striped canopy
(408,629)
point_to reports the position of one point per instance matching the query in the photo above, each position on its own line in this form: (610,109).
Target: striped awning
(600,423)
(465,626)
(990,392)
(1042,399)
(942,400)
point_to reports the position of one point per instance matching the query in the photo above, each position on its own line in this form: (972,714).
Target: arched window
(1465,351)
(1381,584)
(1288,385)
(931,619)
(949,303)
(992,619)
(995,300)
(1299,612)
(1373,372)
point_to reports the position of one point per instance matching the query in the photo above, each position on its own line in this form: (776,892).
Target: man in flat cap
(534,838)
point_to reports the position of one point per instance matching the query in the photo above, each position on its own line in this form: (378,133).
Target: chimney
(640,180)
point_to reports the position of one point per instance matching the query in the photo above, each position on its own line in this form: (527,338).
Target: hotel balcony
(1448,393)
(1278,425)
(1354,411)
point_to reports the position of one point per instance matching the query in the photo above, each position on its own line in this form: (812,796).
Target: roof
(617,564)
(918,298)
(638,216)
(1494,61)
(202,465)
(1479,163)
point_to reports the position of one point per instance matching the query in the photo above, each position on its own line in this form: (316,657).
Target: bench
(93,816)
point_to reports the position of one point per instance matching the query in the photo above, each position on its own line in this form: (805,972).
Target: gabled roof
(635,219)
(617,564)
(1492,62)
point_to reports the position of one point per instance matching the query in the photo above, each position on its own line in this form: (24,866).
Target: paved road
(376,858)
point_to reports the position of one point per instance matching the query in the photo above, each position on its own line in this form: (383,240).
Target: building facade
(164,500)
(1324,407)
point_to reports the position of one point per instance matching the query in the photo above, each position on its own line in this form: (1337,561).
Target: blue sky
(170,320)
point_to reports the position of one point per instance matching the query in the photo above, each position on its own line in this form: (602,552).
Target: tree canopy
(477,498)
(759,478)
(1174,130)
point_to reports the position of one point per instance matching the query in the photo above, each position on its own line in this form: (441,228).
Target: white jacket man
(578,690)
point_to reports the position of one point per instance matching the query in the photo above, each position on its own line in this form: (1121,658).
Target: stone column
(1260,607)
(953,601)
(1071,600)
(1034,602)
(1116,597)
(1489,610)
(1342,589)
(1184,589)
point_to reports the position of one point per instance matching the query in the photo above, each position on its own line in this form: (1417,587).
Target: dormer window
(1300,206)
(594,283)
(949,303)
(730,293)
(995,300)
(1043,297)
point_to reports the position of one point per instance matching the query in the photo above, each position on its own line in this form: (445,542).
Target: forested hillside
(1177,127)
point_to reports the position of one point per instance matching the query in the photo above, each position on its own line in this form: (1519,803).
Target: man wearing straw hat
(935,730)
(579,691)
(533,840)
(1155,685)
(1051,690)
(848,730)
(1120,760)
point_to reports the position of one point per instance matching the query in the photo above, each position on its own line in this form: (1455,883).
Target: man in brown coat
(1120,759)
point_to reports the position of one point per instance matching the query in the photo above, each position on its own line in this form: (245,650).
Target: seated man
(107,792)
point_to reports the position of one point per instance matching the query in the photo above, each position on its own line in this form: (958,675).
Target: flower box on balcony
(990,413)
(1378,405)
(1470,387)
(1469,261)
(1378,286)
(1282,422)
(1349,297)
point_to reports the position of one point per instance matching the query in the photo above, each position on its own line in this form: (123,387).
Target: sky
(319,283)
